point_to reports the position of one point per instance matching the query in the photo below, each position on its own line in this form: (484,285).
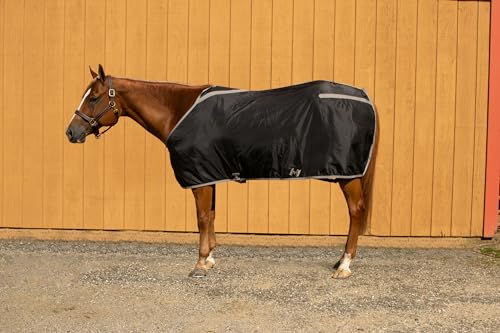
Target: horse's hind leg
(203,200)
(353,193)
(210,262)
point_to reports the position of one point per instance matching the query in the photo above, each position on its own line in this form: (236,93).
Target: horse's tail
(367,180)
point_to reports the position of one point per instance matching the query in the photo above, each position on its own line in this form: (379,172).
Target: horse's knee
(203,220)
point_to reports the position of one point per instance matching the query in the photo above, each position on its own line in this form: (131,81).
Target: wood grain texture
(75,78)
(481,119)
(444,131)
(404,117)
(114,141)
(425,109)
(33,114)
(465,106)
(53,120)
(93,151)
(384,95)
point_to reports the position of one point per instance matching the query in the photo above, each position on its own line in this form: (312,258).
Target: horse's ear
(94,74)
(102,76)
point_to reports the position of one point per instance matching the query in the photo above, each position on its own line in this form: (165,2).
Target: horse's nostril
(69,133)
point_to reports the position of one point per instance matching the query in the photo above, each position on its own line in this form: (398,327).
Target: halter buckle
(93,123)
(111,92)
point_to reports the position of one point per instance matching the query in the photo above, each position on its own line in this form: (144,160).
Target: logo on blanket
(295,172)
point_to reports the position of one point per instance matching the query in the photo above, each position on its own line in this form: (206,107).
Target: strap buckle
(111,92)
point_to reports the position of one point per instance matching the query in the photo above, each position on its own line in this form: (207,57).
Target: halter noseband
(94,121)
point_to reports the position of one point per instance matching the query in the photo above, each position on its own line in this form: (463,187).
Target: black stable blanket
(320,129)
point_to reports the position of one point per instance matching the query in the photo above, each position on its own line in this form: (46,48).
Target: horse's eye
(93,99)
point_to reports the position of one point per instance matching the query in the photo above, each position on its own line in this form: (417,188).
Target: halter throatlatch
(94,121)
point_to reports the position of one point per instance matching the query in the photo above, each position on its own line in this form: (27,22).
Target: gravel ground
(58,286)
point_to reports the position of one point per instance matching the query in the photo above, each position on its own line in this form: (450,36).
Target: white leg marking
(345,262)
(210,259)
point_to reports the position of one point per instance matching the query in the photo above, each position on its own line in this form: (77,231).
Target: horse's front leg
(353,193)
(203,200)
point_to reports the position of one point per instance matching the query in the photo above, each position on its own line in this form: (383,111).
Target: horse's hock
(428,74)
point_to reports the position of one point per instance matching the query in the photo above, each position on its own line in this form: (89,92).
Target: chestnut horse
(158,107)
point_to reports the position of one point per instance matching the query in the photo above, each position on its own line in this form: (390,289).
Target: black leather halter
(94,121)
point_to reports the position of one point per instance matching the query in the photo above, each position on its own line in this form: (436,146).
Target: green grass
(489,251)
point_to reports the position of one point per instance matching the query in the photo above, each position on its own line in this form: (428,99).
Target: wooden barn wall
(424,63)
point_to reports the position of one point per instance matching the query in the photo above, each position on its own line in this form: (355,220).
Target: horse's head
(97,109)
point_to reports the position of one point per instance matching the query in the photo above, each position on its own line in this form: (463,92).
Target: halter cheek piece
(94,121)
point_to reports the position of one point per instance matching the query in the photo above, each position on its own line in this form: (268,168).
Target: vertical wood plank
(74,84)
(402,182)
(155,162)
(239,77)
(33,114)
(177,50)
(425,103)
(2,105)
(324,12)
(364,66)
(197,72)
(464,119)
(444,132)
(93,154)
(53,120)
(114,140)
(260,78)
(385,75)
(481,120)
(281,66)
(12,121)
(135,134)
(218,74)
(345,25)
(302,68)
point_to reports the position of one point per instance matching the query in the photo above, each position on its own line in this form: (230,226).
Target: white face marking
(83,99)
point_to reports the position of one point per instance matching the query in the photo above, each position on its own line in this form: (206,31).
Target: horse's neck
(156,106)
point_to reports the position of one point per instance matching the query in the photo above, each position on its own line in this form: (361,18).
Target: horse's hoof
(198,273)
(342,274)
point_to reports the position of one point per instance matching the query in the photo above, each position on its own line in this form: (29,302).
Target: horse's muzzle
(74,137)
